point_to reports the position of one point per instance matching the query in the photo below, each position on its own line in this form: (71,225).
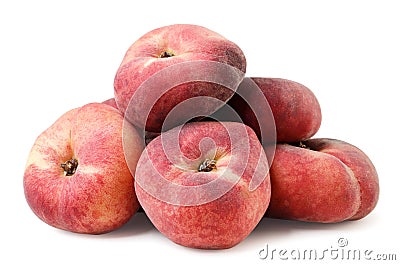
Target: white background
(56,55)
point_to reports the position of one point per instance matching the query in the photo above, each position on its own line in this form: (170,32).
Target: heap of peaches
(204,151)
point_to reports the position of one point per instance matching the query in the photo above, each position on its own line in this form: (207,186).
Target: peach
(76,176)
(169,65)
(296,110)
(148,136)
(204,184)
(322,180)
(111,102)
(360,164)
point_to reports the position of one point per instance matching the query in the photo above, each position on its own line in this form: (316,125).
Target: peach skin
(322,180)
(76,177)
(172,64)
(296,110)
(205,184)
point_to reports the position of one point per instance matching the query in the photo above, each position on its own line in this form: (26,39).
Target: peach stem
(70,166)
(166,54)
(208,165)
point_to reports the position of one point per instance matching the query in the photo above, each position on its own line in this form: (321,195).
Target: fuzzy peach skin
(324,180)
(99,195)
(296,110)
(168,46)
(360,164)
(148,136)
(111,102)
(218,223)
